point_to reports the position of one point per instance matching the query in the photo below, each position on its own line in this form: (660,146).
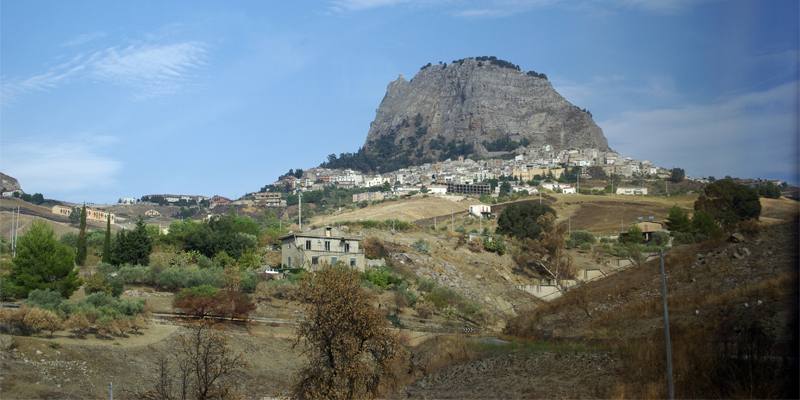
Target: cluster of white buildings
(458,176)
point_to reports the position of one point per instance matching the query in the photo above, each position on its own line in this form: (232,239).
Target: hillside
(472,107)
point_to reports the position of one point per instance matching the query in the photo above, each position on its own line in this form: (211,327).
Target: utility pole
(300,209)
(667,340)
(110,390)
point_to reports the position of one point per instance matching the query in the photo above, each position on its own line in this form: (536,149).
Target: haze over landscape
(399,199)
(104,101)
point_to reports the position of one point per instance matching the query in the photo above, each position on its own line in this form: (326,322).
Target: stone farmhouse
(324,246)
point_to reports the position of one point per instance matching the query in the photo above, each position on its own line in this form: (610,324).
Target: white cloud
(58,166)
(148,69)
(752,134)
(504,8)
(83,39)
(360,5)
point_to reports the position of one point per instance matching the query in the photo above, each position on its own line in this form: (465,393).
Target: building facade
(324,246)
(91,214)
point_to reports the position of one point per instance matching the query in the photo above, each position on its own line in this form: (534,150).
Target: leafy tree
(80,257)
(677,175)
(42,262)
(75,216)
(505,189)
(547,254)
(769,190)
(132,247)
(107,242)
(704,226)
(728,202)
(38,319)
(597,172)
(632,236)
(521,220)
(678,220)
(349,347)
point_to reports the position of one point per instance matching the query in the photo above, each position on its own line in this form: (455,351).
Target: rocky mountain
(8,183)
(477,107)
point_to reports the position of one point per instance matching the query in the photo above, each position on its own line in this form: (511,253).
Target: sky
(101,100)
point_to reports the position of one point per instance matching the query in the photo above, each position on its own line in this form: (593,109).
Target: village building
(324,246)
(437,189)
(91,214)
(152,213)
(476,189)
(480,210)
(269,199)
(632,191)
(368,196)
(648,228)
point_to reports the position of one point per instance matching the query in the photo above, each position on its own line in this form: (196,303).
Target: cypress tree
(107,242)
(80,257)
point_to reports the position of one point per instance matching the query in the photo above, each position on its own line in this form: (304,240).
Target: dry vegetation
(403,210)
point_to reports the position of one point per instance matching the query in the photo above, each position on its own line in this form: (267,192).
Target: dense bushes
(45,310)
(728,203)
(580,239)
(520,220)
(205,300)
(171,274)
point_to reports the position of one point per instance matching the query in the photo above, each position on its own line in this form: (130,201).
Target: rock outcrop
(8,183)
(474,107)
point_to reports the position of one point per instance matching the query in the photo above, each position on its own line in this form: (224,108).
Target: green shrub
(421,246)
(578,238)
(44,298)
(660,238)
(175,278)
(494,244)
(136,274)
(99,282)
(381,278)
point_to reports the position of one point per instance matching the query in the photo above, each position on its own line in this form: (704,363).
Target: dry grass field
(404,210)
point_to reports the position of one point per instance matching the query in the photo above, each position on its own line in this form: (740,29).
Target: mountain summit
(476,107)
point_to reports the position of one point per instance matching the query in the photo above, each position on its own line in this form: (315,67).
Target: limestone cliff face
(8,183)
(475,107)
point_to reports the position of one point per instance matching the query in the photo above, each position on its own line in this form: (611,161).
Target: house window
(347,247)
(327,245)
(314,260)
(334,260)
(289,262)
(352,262)
(308,245)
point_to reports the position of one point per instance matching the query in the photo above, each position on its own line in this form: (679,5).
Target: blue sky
(108,99)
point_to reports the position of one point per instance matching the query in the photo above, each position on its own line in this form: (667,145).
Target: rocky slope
(8,183)
(475,106)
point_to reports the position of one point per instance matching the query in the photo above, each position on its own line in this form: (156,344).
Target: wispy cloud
(83,38)
(504,8)
(360,5)
(750,134)
(600,89)
(147,69)
(55,165)
(151,70)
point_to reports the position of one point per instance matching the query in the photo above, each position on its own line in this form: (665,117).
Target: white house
(479,210)
(568,189)
(549,186)
(437,189)
(632,191)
